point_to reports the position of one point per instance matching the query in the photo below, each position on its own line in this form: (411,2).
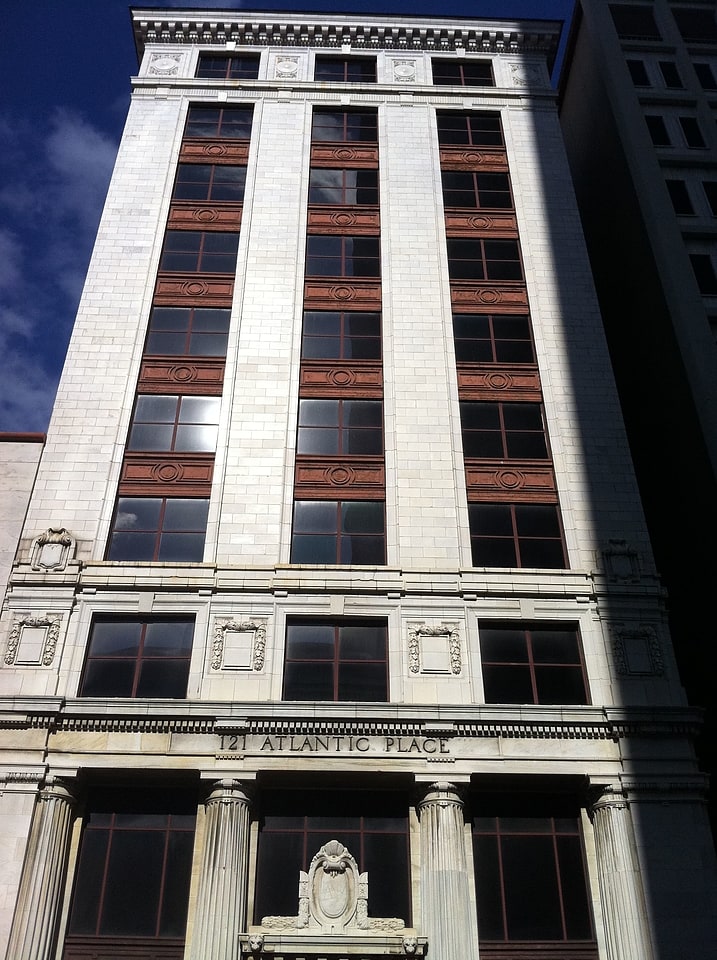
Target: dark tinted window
(516,535)
(166,422)
(500,431)
(705,76)
(333,427)
(635,22)
(336,661)
(158,528)
(344,125)
(484,338)
(339,256)
(208,181)
(331,334)
(339,187)
(710,189)
(679,196)
(704,273)
(464,73)
(463,188)
(193,331)
(692,133)
(234,67)
(330,532)
(484,260)
(638,73)
(192,251)
(471,128)
(696,24)
(223,123)
(658,131)
(670,74)
(347,69)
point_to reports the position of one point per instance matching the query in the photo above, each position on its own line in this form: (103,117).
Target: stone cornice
(354,32)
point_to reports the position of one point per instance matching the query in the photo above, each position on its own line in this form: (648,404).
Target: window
(138,658)
(537,664)
(692,133)
(670,74)
(332,427)
(134,868)
(516,535)
(658,131)
(336,256)
(341,187)
(467,189)
(330,531)
(638,73)
(635,22)
(484,260)
(704,273)
(481,338)
(475,129)
(330,335)
(209,181)
(463,73)
(336,661)
(705,76)
(174,423)
(696,25)
(158,528)
(218,123)
(503,430)
(345,69)
(194,251)
(188,331)
(516,840)
(295,824)
(710,189)
(243,66)
(680,197)
(344,126)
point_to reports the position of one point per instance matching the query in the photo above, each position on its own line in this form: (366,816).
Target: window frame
(680,197)
(162,535)
(183,404)
(517,514)
(344,319)
(213,183)
(477,194)
(345,261)
(692,133)
(323,62)
(657,129)
(343,188)
(189,332)
(493,340)
(441,80)
(345,125)
(222,126)
(341,431)
(248,66)
(140,658)
(201,252)
(485,264)
(342,537)
(291,687)
(502,433)
(475,135)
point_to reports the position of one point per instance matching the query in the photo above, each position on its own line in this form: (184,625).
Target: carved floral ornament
(447,658)
(33,640)
(252,632)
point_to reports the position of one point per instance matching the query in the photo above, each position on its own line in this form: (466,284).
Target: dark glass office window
(194,251)
(484,260)
(706,76)
(516,535)
(295,824)
(344,126)
(484,338)
(638,73)
(237,66)
(138,658)
(696,24)
(477,129)
(670,74)
(340,187)
(330,531)
(658,131)
(500,431)
(333,427)
(710,189)
(158,528)
(529,870)
(541,663)
(345,69)
(134,865)
(189,331)
(218,123)
(334,335)
(680,197)
(692,133)
(336,661)
(463,188)
(339,256)
(210,181)
(704,271)
(463,73)
(635,22)
(166,422)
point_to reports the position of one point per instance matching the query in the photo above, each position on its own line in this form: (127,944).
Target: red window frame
(235,66)
(512,533)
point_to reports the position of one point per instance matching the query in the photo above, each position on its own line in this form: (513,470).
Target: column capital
(606,796)
(228,791)
(442,793)
(59,788)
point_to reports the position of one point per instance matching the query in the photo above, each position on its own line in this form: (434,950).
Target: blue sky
(64,95)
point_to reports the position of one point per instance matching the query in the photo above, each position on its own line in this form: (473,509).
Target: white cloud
(10,259)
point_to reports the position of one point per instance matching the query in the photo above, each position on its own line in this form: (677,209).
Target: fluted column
(34,926)
(449,920)
(627,932)
(221,906)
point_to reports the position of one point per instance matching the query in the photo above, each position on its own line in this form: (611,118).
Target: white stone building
(334,628)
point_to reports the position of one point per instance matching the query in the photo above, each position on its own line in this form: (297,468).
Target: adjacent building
(334,627)
(638,101)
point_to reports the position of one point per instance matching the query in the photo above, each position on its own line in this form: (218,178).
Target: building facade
(637,107)
(334,627)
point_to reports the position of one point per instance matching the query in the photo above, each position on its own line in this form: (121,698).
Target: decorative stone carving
(164,64)
(404,71)
(527,75)
(286,68)
(434,649)
(52,549)
(239,645)
(33,640)
(333,898)
(621,561)
(255,944)
(637,652)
